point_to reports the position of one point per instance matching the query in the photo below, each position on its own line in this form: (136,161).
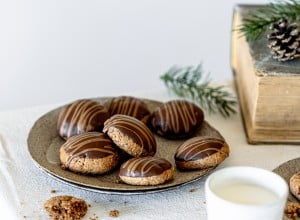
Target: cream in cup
(245,193)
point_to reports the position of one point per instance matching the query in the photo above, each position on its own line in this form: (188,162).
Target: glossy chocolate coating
(93,145)
(135,130)
(144,167)
(176,119)
(127,105)
(198,148)
(81,116)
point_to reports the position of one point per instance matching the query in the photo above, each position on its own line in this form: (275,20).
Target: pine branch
(258,20)
(184,83)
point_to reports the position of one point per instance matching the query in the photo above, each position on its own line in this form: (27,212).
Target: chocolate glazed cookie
(127,105)
(146,171)
(294,184)
(176,119)
(201,153)
(131,135)
(81,116)
(89,153)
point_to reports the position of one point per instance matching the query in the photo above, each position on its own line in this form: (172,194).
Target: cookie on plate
(128,105)
(131,135)
(177,119)
(146,171)
(81,116)
(295,185)
(201,153)
(66,207)
(89,153)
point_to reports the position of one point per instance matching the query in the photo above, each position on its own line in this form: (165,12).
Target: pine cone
(284,40)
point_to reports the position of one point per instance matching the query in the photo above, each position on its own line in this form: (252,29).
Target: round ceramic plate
(286,170)
(44,143)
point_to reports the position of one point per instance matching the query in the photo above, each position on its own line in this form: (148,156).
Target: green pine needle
(184,82)
(257,21)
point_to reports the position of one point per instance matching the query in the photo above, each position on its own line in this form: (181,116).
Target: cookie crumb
(192,190)
(118,181)
(66,207)
(63,167)
(114,213)
(292,210)
(94,217)
(53,191)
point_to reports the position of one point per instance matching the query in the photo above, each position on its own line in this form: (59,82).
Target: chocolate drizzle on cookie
(144,167)
(126,128)
(81,116)
(127,105)
(88,145)
(177,119)
(199,148)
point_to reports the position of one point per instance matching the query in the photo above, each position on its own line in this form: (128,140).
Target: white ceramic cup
(245,193)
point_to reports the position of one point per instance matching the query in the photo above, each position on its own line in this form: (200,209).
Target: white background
(60,50)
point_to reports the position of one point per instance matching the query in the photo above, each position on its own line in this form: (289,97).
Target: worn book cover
(268,90)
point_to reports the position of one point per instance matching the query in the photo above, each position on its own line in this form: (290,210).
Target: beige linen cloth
(24,187)
(8,198)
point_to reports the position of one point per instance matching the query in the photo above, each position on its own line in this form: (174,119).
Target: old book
(268,90)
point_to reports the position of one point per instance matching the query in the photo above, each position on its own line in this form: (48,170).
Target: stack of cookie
(100,137)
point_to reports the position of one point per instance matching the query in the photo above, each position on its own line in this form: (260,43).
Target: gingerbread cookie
(89,153)
(201,153)
(176,119)
(131,135)
(127,105)
(146,171)
(295,185)
(81,116)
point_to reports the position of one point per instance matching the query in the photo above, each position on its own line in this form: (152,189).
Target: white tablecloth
(24,187)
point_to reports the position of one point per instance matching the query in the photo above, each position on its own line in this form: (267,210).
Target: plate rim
(122,192)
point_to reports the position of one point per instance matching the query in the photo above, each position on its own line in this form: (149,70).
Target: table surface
(24,187)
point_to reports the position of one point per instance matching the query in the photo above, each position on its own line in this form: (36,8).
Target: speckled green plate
(44,144)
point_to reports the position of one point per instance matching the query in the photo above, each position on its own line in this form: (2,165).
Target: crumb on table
(94,217)
(114,213)
(292,210)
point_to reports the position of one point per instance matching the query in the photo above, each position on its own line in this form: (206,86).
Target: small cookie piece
(146,171)
(295,184)
(131,135)
(127,105)
(292,210)
(201,153)
(66,207)
(176,119)
(89,153)
(81,116)
(114,213)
